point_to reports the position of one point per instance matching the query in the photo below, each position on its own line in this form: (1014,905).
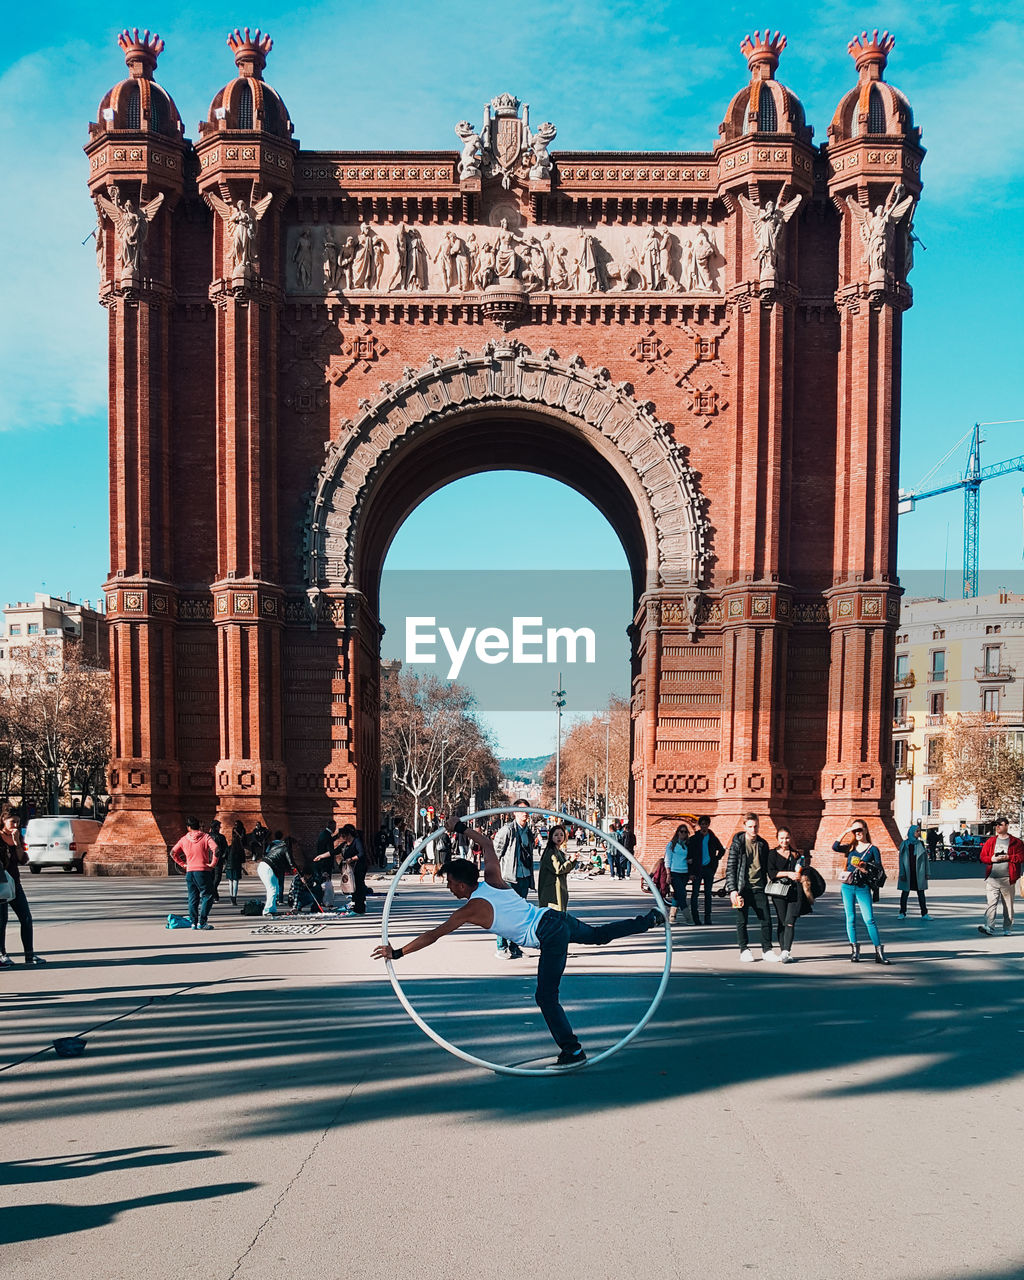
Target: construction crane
(970,481)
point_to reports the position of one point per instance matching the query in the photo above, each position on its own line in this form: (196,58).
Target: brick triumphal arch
(304,345)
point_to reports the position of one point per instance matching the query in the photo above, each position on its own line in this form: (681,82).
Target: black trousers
(905,898)
(786,915)
(19,905)
(704,878)
(753,900)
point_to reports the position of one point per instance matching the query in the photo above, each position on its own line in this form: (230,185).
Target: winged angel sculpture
(768,224)
(131,222)
(242,220)
(876,229)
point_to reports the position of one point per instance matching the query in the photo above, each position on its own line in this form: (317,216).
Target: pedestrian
(862,873)
(234,859)
(258,840)
(913,877)
(745,879)
(197,853)
(677,865)
(495,906)
(323,860)
(354,855)
(553,872)
(514,847)
(272,868)
(1002,855)
(704,854)
(13,857)
(786,889)
(932,840)
(222,849)
(627,838)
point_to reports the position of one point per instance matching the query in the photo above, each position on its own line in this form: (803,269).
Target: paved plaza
(265,1107)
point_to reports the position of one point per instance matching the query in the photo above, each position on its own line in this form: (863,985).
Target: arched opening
(479,551)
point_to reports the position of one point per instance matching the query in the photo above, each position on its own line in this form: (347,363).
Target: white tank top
(514,917)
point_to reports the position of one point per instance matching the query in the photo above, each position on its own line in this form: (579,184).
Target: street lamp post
(440,807)
(559,697)
(607,744)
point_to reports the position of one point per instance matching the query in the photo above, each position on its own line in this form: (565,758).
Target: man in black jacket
(703,853)
(354,853)
(745,879)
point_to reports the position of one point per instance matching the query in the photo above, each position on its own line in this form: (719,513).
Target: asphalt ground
(264,1105)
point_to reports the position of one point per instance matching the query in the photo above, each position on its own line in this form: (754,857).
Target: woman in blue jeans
(859,849)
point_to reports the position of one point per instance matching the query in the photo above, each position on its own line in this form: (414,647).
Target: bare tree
(426,722)
(584,752)
(57,716)
(979,760)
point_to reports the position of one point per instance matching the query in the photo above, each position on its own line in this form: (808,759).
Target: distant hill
(524,768)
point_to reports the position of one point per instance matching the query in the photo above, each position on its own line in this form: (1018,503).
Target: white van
(59,842)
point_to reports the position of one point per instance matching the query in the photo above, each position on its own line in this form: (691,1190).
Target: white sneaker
(747,957)
(770,955)
(784,957)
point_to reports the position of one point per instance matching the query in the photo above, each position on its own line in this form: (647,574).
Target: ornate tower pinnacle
(762,53)
(140,52)
(870,54)
(250,51)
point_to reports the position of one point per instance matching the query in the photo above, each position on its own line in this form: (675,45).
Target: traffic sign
(423,813)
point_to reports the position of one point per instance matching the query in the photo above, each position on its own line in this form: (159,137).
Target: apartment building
(57,623)
(952,657)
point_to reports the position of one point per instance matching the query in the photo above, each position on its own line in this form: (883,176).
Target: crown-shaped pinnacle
(140,52)
(871,53)
(762,53)
(250,50)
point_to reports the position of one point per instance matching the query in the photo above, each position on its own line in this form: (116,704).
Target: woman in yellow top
(553,875)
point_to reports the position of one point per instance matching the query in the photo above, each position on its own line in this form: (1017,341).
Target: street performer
(494,906)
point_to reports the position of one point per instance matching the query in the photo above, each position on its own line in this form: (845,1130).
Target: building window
(16,629)
(938,634)
(902,666)
(937,703)
(938,671)
(876,111)
(33,628)
(933,755)
(899,753)
(767,114)
(928,804)
(990,701)
(245,106)
(992,654)
(51,678)
(995,630)
(133,111)
(53,651)
(899,708)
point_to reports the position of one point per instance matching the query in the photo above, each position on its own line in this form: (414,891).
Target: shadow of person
(83,1164)
(21,1223)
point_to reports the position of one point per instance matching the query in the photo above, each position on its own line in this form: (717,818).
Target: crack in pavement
(297,1175)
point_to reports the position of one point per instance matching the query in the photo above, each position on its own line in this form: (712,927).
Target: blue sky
(399,75)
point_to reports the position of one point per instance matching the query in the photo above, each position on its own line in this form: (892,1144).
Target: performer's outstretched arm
(479,913)
(492,867)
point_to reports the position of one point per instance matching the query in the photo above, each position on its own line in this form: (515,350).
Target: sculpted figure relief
(541,140)
(470,258)
(877,227)
(131,223)
(303,258)
(242,220)
(768,224)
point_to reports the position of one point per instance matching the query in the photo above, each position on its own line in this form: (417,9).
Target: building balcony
(905,682)
(904,774)
(1001,673)
(936,677)
(903,726)
(934,722)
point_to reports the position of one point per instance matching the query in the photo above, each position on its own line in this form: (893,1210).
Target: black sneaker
(654,918)
(34,960)
(571,1057)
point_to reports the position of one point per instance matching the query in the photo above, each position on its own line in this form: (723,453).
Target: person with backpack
(272,869)
(196,853)
(862,874)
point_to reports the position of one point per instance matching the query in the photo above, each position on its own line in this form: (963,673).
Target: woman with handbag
(789,896)
(12,858)
(863,873)
(553,873)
